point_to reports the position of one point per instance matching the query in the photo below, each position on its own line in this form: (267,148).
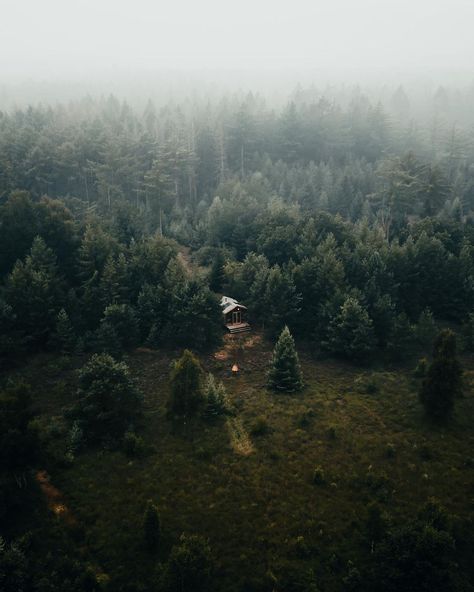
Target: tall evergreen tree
(443,382)
(64,337)
(186,386)
(351,333)
(285,372)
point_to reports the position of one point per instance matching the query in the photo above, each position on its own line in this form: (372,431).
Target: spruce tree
(216,398)
(151,526)
(285,372)
(351,333)
(64,336)
(186,390)
(443,382)
(216,274)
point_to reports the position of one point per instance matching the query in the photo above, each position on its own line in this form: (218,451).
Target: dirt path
(54,498)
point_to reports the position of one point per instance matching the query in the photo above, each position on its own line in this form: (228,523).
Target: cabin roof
(228,304)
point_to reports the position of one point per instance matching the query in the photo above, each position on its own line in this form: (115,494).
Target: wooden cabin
(234,315)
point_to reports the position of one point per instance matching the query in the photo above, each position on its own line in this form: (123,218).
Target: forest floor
(246,482)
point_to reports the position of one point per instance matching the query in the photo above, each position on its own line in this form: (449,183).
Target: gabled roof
(228,304)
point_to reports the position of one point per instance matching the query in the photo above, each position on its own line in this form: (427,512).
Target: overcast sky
(76,38)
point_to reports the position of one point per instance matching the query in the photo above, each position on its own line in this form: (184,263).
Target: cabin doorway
(236,317)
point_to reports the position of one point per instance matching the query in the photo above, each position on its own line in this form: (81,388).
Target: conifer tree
(217,275)
(351,332)
(215,397)
(426,328)
(285,372)
(443,382)
(151,526)
(64,337)
(186,388)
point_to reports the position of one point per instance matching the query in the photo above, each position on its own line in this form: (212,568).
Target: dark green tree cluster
(443,382)
(107,400)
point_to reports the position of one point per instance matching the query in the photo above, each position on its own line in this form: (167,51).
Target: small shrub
(318,476)
(426,452)
(304,420)
(260,427)
(133,445)
(301,547)
(390,450)
(421,368)
(331,433)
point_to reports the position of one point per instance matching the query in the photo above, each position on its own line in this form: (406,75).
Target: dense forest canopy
(346,226)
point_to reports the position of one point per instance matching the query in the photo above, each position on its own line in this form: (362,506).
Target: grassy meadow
(246,482)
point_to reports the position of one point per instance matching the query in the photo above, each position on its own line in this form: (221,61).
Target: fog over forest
(55,49)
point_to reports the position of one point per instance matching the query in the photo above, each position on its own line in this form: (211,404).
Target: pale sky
(74,38)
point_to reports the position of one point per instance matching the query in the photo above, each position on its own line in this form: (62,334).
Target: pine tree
(285,372)
(351,332)
(186,389)
(216,275)
(443,382)
(64,337)
(151,526)
(426,328)
(107,398)
(216,398)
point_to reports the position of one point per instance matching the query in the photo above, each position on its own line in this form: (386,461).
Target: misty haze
(236,296)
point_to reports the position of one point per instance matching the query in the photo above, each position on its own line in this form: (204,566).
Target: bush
(189,567)
(259,427)
(421,368)
(319,476)
(133,445)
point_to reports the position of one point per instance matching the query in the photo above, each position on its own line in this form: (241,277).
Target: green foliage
(107,399)
(351,333)
(400,339)
(186,386)
(319,477)
(216,274)
(468,333)
(443,382)
(281,302)
(421,368)
(190,566)
(215,399)
(64,337)
(34,292)
(151,526)
(133,445)
(259,427)
(426,328)
(285,372)
(118,329)
(18,438)
(417,556)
